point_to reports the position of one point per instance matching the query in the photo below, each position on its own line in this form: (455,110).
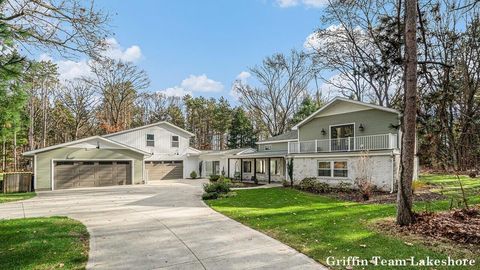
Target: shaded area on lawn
(320,226)
(43,243)
(11,197)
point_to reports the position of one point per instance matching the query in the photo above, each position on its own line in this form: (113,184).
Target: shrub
(193,174)
(344,187)
(218,187)
(254,179)
(365,187)
(224,179)
(311,184)
(472,174)
(214,177)
(285,183)
(209,196)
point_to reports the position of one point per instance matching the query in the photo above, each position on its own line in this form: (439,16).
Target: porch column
(269,171)
(255,168)
(241,169)
(228,168)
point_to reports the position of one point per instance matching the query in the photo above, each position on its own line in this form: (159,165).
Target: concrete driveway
(162,225)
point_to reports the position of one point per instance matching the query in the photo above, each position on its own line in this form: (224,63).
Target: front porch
(264,169)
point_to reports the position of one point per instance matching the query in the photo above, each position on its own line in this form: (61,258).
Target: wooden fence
(17,182)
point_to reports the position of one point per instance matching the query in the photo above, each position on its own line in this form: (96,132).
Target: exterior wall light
(361,128)
(323,131)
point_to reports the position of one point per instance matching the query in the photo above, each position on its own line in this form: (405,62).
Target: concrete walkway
(162,225)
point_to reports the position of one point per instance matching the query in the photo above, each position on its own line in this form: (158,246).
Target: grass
(449,185)
(43,243)
(11,197)
(320,227)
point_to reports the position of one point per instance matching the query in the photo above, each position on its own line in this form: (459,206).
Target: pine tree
(241,131)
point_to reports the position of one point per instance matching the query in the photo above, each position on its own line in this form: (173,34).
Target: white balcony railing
(360,143)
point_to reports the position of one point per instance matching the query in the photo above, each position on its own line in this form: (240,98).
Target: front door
(342,137)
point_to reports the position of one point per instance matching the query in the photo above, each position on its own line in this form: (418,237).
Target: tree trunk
(15,150)
(404,197)
(4,154)
(31,125)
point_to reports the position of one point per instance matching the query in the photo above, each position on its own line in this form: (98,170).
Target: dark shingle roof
(289,135)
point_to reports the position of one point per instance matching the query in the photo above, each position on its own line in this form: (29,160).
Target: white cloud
(115,51)
(201,83)
(69,69)
(243,76)
(307,3)
(175,92)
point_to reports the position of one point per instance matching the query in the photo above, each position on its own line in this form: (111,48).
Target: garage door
(164,170)
(69,174)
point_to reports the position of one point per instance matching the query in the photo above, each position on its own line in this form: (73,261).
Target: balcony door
(339,137)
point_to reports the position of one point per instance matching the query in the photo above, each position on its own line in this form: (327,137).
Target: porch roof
(263,154)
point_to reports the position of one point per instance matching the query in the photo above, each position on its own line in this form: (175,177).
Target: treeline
(364,49)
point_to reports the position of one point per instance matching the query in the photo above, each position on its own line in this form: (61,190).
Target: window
(150,140)
(247,166)
(274,167)
(88,163)
(324,169)
(216,167)
(175,141)
(333,169)
(260,166)
(267,147)
(340,169)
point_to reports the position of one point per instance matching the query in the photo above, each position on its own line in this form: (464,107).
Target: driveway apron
(162,225)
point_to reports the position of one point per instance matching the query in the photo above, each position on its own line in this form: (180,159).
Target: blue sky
(205,44)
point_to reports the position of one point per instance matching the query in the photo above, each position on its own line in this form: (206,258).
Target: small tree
(290,171)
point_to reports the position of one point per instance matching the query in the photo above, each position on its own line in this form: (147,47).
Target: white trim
(330,135)
(279,141)
(35,172)
(132,166)
(342,155)
(332,170)
(52,172)
(53,147)
(150,125)
(346,100)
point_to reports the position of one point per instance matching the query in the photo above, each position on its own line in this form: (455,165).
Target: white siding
(163,135)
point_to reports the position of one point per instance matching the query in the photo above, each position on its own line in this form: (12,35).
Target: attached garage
(78,174)
(89,162)
(164,170)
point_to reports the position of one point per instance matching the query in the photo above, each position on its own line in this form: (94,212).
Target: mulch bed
(237,184)
(455,232)
(462,226)
(380,197)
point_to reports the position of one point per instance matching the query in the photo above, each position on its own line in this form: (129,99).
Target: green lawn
(43,243)
(320,226)
(449,185)
(11,197)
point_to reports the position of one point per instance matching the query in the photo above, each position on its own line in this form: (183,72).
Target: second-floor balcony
(358,143)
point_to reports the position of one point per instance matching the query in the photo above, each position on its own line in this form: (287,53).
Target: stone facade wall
(380,169)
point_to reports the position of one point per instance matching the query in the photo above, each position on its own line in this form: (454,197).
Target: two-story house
(135,156)
(343,141)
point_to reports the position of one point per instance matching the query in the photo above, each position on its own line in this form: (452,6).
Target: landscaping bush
(193,175)
(218,187)
(365,187)
(210,196)
(344,187)
(472,174)
(214,177)
(311,184)
(285,183)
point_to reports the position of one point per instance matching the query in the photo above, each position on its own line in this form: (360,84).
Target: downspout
(392,187)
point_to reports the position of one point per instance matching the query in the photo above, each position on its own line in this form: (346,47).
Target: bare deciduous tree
(283,82)
(117,83)
(80,100)
(405,214)
(65,26)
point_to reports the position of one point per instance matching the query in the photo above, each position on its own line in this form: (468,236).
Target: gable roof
(291,135)
(341,99)
(121,145)
(150,125)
